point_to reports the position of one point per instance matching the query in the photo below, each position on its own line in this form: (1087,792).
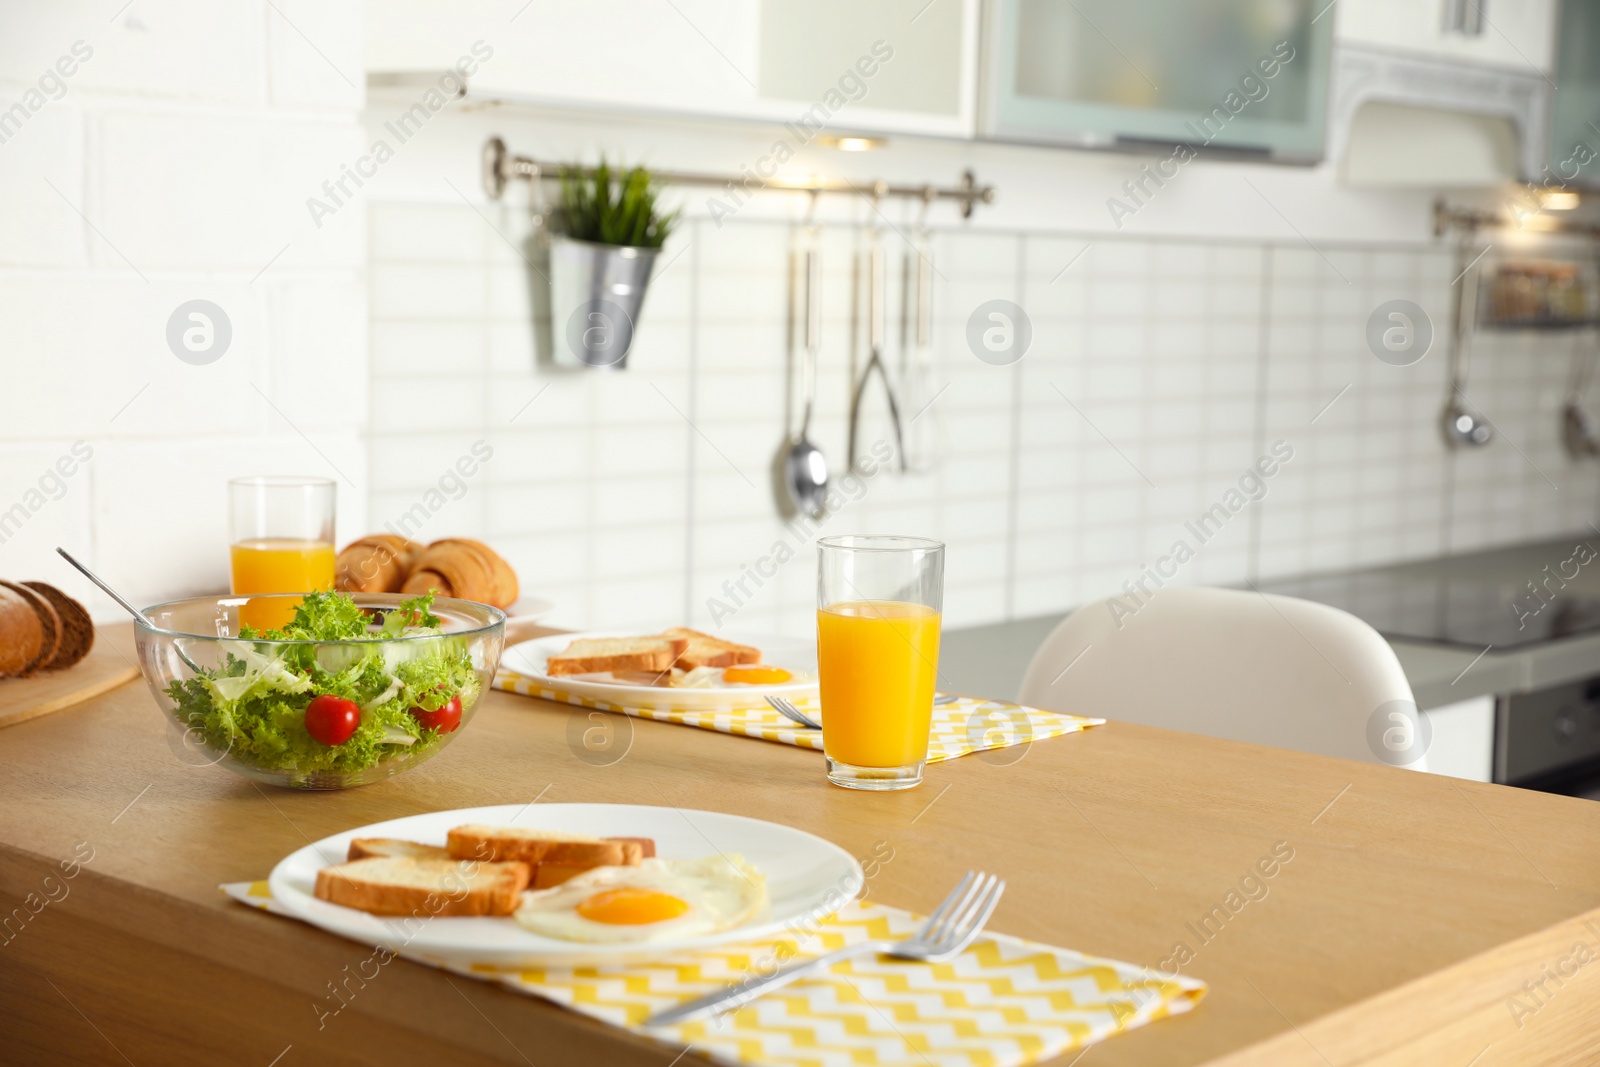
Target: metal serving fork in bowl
(948,931)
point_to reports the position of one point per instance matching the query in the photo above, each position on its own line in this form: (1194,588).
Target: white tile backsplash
(1159,372)
(388,339)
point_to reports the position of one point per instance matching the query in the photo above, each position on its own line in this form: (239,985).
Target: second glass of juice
(281,541)
(878,609)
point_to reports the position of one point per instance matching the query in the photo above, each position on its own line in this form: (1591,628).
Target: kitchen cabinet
(1574,143)
(1511,33)
(1247,75)
(1462,741)
(827,66)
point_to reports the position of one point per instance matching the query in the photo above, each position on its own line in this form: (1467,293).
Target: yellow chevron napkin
(967,725)
(1004,1002)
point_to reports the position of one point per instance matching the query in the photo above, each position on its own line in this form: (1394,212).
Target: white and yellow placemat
(966,725)
(1003,1002)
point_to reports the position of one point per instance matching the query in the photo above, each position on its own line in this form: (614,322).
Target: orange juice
(279,565)
(878,659)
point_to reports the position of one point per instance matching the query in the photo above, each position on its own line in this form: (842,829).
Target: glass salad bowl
(358,687)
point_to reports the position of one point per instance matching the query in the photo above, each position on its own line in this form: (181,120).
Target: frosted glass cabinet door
(1574,143)
(1246,75)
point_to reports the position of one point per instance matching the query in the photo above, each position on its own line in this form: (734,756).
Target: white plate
(529,658)
(807,879)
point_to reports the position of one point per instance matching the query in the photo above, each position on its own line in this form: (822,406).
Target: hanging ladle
(805,468)
(1463,427)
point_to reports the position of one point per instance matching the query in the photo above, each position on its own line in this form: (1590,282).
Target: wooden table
(1412,912)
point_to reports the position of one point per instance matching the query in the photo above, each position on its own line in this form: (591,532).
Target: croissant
(470,570)
(377,563)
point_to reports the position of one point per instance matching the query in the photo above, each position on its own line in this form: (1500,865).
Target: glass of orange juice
(878,608)
(281,541)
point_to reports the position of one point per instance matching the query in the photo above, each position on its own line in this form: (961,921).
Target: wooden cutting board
(109,664)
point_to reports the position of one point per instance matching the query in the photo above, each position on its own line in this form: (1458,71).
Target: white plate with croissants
(677,669)
(452,566)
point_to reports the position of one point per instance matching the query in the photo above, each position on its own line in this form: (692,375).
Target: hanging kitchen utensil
(803,469)
(875,330)
(1463,428)
(916,346)
(1578,430)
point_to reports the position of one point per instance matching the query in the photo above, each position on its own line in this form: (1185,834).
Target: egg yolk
(630,906)
(755,674)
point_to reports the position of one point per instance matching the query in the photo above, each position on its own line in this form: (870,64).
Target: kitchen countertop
(1414,905)
(993,659)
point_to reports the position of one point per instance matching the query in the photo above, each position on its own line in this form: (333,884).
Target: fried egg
(655,901)
(741,674)
(756,674)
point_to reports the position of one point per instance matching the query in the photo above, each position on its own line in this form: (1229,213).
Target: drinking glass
(280,531)
(878,609)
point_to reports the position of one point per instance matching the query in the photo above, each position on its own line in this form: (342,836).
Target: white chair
(1247,666)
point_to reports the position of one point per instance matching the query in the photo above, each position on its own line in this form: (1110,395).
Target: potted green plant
(605,237)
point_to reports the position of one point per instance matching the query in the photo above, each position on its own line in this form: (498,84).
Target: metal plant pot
(596,294)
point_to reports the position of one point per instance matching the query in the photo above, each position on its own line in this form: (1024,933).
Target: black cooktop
(1450,610)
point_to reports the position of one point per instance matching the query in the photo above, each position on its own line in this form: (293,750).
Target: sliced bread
(537,847)
(400,885)
(49,626)
(363,847)
(77,629)
(592,655)
(703,650)
(548,874)
(21,633)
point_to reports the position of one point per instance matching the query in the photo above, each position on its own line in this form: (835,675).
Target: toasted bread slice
(537,847)
(400,885)
(703,650)
(591,655)
(647,846)
(364,847)
(548,873)
(655,679)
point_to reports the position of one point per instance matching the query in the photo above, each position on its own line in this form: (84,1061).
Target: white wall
(1223,315)
(1205,329)
(172,165)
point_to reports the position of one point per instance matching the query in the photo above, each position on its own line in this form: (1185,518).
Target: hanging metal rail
(500,168)
(1469,220)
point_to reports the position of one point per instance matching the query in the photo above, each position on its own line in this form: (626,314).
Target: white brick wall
(175,166)
(1185,361)
(177,162)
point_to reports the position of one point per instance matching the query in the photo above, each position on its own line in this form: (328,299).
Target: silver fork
(794,714)
(948,931)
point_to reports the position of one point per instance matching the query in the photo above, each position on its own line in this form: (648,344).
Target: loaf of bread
(21,633)
(49,626)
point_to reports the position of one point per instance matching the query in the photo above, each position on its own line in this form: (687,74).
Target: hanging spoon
(805,468)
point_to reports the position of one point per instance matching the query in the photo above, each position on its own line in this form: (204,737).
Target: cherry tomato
(332,720)
(446,719)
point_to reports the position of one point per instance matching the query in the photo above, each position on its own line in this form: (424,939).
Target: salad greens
(254,705)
